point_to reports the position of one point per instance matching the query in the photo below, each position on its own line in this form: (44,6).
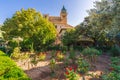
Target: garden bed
(42,70)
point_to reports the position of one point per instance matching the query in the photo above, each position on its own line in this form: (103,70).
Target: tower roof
(63,10)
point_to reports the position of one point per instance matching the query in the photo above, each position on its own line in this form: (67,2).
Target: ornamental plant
(111,76)
(83,67)
(115,64)
(9,70)
(42,56)
(91,53)
(52,65)
(71,74)
(72,55)
(114,73)
(59,56)
(16,53)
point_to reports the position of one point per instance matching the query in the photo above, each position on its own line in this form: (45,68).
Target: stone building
(60,23)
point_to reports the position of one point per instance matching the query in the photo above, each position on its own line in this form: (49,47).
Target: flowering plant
(71,73)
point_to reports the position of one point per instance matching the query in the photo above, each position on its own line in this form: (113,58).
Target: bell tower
(63,15)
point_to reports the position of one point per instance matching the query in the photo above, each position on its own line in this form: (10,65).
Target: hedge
(9,70)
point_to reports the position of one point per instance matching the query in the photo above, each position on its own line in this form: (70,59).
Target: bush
(59,56)
(9,70)
(80,48)
(83,66)
(115,64)
(71,74)
(114,73)
(115,51)
(111,76)
(90,51)
(42,56)
(3,49)
(16,53)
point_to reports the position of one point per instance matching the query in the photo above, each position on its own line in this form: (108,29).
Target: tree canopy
(102,23)
(31,26)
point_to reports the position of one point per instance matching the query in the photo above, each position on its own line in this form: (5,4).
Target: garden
(89,51)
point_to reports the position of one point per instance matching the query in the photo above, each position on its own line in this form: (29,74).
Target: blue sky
(76,8)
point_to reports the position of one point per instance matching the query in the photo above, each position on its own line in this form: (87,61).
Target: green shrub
(72,54)
(115,51)
(60,56)
(3,49)
(80,48)
(42,56)
(83,66)
(52,65)
(115,64)
(91,53)
(111,76)
(9,70)
(16,53)
(114,73)
(71,75)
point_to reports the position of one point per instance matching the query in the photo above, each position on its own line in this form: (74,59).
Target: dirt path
(102,65)
(42,70)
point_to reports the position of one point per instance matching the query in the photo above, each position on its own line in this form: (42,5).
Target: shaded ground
(102,65)
(42,70)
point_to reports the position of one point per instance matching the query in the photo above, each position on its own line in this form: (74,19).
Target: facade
(60,23)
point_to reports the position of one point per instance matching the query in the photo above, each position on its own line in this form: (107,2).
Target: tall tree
(99,22)
(31,26)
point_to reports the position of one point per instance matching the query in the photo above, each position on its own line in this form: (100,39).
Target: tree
(69,37)
(31,26)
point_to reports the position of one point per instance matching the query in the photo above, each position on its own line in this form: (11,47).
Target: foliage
(90,51)
(59,56)
(114,73)
(111,76)
(72,55)
(9,70)
(2,48)
(31,26)
(101,24)
(42,56)
(115,51)
(57,47)
(71,74)
(24,55)
(53,54)
(115,60)
(34,61)
(79,48)
(66,61)
(83,66)
(16,53)
(52,65)
(115,64)
(68,38)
